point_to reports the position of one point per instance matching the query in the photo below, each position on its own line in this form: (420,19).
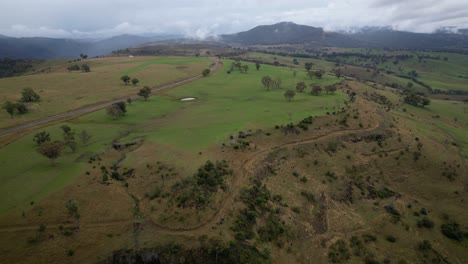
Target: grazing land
(353,168)
(62,90)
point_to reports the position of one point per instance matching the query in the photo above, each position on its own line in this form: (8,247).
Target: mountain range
(291,33)
(276,34)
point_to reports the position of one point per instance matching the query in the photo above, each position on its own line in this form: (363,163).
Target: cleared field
(62,91)
(225,105)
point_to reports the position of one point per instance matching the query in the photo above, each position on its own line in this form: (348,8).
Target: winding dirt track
(237,183)
(93,108)
(247,170)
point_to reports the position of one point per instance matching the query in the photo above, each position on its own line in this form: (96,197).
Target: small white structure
(187,99)
(130,56)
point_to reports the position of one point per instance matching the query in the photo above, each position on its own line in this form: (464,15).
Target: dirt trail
(246,170)
(99,106)
(236,185)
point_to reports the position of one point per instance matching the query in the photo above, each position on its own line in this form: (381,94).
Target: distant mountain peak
(279,33)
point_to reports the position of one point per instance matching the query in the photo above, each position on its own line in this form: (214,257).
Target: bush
(396,216)
(338,252)
(452,231)
(391,239)
(424,245)
(309,196)
(425,223)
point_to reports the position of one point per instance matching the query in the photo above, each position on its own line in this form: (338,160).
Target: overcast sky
(104,18)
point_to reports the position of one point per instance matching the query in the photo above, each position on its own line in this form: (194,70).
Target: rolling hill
(291,33)
(52,48)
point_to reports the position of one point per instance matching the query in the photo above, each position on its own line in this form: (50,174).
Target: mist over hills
(276,34)
(53,48)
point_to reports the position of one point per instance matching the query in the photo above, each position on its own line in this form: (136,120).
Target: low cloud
(200,19)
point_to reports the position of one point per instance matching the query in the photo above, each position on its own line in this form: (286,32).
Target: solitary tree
(85,68)
(338,72)
(300,86)
(206,72)
(135,81)
(257,66)
(294,73)
(289,94)
(267,82)
(330,89)
(28,95)
(308,66)
(295,61)
(9,107)
(145,92)
(316,90)
(72,209)
(83,56)
(125,79)
(244,68)
(318,74)
(84,137)
(21,108)
(41,137)
(51,150)
(69,137)
(276,83)
(116,110)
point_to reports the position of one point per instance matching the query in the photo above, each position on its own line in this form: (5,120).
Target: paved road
(93,108)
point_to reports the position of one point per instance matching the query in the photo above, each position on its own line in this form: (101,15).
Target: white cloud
(103,18)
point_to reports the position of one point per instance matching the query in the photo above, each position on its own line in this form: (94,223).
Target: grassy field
(62,91)
(225,105)
(365,152)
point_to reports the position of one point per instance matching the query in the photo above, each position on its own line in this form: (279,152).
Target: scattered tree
(318,74)
(257,66)
(206,72)
(267,82)
(276,83)
(72,209)
(84,137)
(244,68)
(69,137)
(308,66)
(338,72)
(145,92)
(300,87)
(289,94)
(28,95)
(21,108)
(74,67)
(295,61)
(9,107)
(85,68)
(41,137)
(316,90)
(125,79)
(330,89)
(129,100)
(294,73)
(83,56)
(416,100)
(116,110)
(135,81)
(51,150)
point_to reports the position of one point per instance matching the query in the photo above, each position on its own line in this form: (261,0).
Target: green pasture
(225,105)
